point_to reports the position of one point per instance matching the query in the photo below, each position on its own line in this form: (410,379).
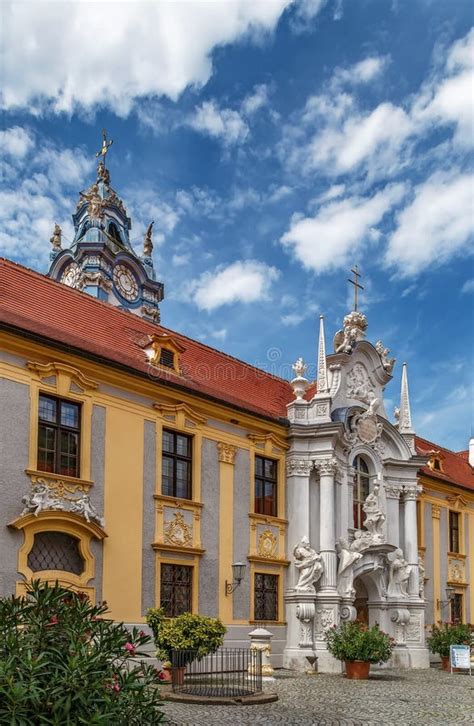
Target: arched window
(55,551)
(114,233)
(361,490)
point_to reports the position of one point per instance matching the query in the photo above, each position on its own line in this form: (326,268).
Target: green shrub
(62,662)
(445,635)
(186,632)
(356,641)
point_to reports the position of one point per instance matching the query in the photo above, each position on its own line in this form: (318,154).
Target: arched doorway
(360,602)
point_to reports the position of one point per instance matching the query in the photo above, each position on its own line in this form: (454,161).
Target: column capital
(412,492)
(392,492)
(226,452)
(298,467)
(326,466)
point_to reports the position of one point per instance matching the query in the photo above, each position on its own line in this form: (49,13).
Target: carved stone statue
(374,517)
(345,572)
(309,564)
(361,541)
(387,362)
(56,239)
(421,578)
(40,499)
(86,509)
(103,174)
(95,202)
(399,574)
(148,242)
(299,384)
(354,327)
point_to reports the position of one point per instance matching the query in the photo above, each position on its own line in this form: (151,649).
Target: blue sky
(275,144)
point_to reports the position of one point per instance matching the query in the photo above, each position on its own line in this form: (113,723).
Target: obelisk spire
(322,365)
(404,421)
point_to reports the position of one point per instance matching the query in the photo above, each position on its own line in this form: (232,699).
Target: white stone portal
(352,569)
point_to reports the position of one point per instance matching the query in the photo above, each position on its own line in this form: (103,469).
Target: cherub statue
(387,362)
(148,242)
(39,500)
(309,563)
(345,572)
(56,239)
(86,509)
(103,173)
(399,574)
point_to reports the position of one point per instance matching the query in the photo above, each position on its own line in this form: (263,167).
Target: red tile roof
(34,303)
(456,467)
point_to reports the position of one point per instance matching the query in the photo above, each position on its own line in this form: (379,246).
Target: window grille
(456,608)
(266,597)
(167,358)
(55,551)
(176,589)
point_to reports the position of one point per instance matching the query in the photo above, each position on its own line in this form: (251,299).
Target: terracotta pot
(357,669)
(167,675)
(178,675)
(445,662)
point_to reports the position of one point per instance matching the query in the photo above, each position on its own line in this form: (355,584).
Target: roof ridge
(135,318)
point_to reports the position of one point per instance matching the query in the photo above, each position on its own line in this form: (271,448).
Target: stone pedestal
(300,611)
(261,640)
(327,614)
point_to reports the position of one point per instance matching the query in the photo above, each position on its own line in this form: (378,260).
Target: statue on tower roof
(148,241)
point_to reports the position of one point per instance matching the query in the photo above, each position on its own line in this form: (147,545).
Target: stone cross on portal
(355,282)
(105,145)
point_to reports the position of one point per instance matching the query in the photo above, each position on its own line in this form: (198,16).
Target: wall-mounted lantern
(238,573)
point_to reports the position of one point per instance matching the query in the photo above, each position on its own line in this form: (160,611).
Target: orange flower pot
(357,669)
(445,662)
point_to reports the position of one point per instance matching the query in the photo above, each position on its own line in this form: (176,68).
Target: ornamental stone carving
(412,492)
(325,619)
(227,452)
(177,532)
(267,544)
(298,467)
(383,352)
(354,327)
(326,467)
(345,572)
(413,629)
(374,517)
(42,498)
(305,612)
(309,564)
(392,492)
(398,575)
(299,384)
(435,511)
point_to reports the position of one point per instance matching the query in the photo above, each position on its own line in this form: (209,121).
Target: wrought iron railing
(230,672)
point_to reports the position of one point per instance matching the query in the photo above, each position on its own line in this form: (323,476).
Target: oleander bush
(198,633)
(63,662)
(356,641)
(447,634)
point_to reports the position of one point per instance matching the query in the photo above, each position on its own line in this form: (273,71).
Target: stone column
(327,522)
(392,494)
(327,598)
(410,549)
(297,499)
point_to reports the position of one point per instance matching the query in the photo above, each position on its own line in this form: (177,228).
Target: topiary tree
(63,662)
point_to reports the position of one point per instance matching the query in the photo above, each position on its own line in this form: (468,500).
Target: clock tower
(101,260)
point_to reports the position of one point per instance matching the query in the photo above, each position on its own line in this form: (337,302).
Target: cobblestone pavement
(388,697)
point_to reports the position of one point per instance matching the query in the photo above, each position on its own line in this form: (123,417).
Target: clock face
(125,282)
(71,275)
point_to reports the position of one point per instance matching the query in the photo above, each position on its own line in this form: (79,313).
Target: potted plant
(445,635)
(358,646)
(197,634)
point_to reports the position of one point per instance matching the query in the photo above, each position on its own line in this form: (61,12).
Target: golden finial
(105,145)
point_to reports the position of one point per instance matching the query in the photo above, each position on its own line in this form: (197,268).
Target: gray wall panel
(241,595)
(97,491)
(429,564)
(14,484)
(209,567)
(148,555)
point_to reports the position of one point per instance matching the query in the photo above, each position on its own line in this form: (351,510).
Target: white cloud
(247,281)
(280,193)
(221,123)
(292,319)
(334,191)
(339,230)
(305,13)
(110,53)
(16,142)
(468,286)
(363,72)
(436,225)
(181,260)
(256,100)
(220,334)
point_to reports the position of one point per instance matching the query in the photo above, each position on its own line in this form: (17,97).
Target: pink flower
(142,634)
(130,647)
(162,676)
(53,620)
(116,687)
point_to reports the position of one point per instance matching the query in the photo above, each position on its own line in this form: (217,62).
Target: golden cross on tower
(105,145)
(355,282)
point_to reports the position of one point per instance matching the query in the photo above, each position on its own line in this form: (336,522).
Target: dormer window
(114,233)
(437,464)
(436,461)
(167,358)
